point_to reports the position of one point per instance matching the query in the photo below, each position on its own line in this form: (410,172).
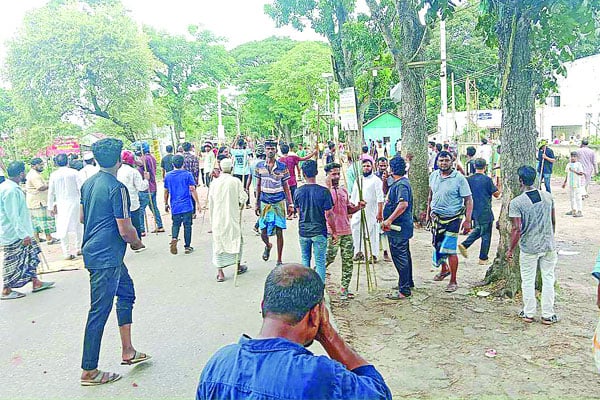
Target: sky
(239,21)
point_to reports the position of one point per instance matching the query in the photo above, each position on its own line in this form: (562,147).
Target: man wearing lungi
(272,192)
(37,202)
(21,253)
(449,200)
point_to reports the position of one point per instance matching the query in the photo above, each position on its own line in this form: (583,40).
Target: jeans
(144,202)
(484,231)
(244,179)
(186,220)
(529,263)
(292,193)
(105,284)
(547,179)
(136,220)
(318,246)
(400,251)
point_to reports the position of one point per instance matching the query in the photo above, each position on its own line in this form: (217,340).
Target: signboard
(66,145)
(484,116)
(348,117)
(221,132)
(155,149)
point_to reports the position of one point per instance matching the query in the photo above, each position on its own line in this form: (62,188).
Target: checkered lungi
(42,221)
(20,263)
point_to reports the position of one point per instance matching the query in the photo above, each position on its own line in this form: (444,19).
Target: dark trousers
(136,220)
(105,284)
(186,220)
(293,192)
(207,178)
(244,179)
(202,176)
(483,231)
(145,202)
(400,252)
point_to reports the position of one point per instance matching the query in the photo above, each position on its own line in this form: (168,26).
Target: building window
(554,101)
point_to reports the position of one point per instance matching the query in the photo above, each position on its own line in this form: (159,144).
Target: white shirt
(63,192)
(87,171)
(372,190)
(133,181)
(484,151)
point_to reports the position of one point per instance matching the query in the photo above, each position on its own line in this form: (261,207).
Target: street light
(328,76)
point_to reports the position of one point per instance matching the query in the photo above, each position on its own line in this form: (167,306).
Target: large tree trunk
(406,48)
(518,133)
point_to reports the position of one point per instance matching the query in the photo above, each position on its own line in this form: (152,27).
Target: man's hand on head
(326,331)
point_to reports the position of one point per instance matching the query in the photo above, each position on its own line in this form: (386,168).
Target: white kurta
(372,189)
(86,172)
(225,197)
(132,179)
(63,192)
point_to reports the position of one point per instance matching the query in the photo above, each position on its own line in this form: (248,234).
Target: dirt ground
(433,345)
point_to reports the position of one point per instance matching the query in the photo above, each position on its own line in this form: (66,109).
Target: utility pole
(453,107)
(220,127)
(237,116)
(443,82)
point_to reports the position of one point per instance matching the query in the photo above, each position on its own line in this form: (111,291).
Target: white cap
(88,155)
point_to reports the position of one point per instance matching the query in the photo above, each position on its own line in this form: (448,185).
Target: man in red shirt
(341,237)
(291,161)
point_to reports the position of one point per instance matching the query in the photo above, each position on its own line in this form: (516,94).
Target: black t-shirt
(313,200)
(400,191)
(482,189)
(167,163)
(104,200)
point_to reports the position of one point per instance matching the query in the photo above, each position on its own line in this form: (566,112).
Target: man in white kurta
(372,190)
(89,168)
(63,203)
(226,198)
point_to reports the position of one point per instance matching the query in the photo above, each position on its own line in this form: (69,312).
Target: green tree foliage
(8,112)
(74,61)
(187,73)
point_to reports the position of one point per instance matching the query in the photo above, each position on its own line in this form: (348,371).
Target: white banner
(348,117)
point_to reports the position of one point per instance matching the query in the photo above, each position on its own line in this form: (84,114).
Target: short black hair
(222,150)
(186,146)
(382,159)
(61,160)
(365,149)
(291,291)
(438,146)
(89,162)
(527,175)
(285,149)
(398,165)
(36,161)
(177,161)
(107,152)
(310,168)
(270,143)
(432,143)
(484,141)
(446,146)
(292,145)
(169,148)
(585,142)
(471,151)
(573,154)
(221,156)
(15,169)
(331,146)
(445,153)
(241,143)
(479,163)
(331,166)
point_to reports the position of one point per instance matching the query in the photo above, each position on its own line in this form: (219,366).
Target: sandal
(12,295)
(441,276)
(45,285)
(242,269)
(100,379)
(525,318)
(137,358)
(173,246)
(396,296)
(451,288)
(267,253)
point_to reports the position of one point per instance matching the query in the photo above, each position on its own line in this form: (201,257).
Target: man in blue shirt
(277,364)
(398,225)
(241,166)
(546,161)
(107,230)
(180,187)
(449,200)
(315,204)
(482,189)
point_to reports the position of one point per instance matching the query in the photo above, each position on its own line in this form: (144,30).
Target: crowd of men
(363,211)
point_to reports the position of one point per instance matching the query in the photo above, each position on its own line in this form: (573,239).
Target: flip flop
(396,296)
(99,379)
(451,288)
(12,295)
(220,279)
(53,241)
(45,285)
(137,358)
(267,253)
(242,269)
(441,276)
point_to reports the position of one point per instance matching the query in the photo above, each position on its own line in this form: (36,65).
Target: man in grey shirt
(533,225)
(449,199)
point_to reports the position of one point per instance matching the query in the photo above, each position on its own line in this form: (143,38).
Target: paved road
(181,317)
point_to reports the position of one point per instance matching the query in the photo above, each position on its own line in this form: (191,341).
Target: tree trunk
(518,133)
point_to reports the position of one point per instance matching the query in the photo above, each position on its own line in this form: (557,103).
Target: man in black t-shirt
(316,209)
(107,230)
(482,189)
(166,164)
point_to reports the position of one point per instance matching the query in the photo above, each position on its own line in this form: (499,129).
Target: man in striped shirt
(272,192)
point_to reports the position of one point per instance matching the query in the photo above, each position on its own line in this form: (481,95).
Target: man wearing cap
(89,167)
(210,161)
(37,202)
(129,176)
(105,213)
(273,193)
(372,192)
(63,203)
(225,200)
(21,253)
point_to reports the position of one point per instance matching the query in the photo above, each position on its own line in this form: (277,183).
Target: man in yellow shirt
(37,203)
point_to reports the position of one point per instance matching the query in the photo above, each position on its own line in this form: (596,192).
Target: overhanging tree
(69,60)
